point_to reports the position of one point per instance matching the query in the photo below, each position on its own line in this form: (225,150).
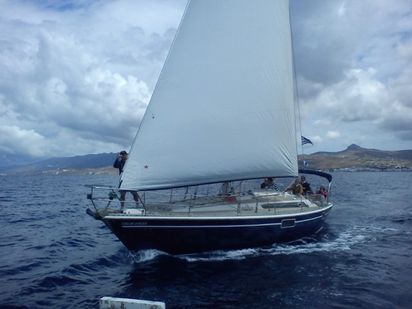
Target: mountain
(16,159)
(352,158)
(64,164)
(356,157)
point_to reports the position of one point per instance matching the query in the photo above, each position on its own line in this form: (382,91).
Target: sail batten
(223,105)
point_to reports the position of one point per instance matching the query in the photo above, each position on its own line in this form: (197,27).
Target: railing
(318,199)
(104,198)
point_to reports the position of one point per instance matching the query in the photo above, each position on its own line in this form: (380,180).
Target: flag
(306,141)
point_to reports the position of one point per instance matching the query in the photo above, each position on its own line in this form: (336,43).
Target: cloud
(80,72)
(355,72)
(13,136)
(317,139)
(76,75)
(333,134)
(357,97)
(362,97)
(322,122)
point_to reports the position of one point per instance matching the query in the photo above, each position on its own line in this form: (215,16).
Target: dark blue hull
(190,235)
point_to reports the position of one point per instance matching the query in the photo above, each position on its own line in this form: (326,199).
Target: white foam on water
(345,241)
(240,254)
(145,255)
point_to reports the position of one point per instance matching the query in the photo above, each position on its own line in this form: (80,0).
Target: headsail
(223,105)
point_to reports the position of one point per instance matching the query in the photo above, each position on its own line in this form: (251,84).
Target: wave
(146,255)
(326,242)
(305,245)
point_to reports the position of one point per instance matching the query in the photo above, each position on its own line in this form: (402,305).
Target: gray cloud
(72,77)
(76,77)
(354,69)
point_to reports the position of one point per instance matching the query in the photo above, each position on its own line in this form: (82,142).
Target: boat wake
(305,245)
(143,256)
(319,243)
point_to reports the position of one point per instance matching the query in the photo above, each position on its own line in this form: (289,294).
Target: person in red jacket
(322,191)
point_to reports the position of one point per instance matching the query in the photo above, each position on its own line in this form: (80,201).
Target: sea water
(53,255)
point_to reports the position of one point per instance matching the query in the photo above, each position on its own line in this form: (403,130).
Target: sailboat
(222,117)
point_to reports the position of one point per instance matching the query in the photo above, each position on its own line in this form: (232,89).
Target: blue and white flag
(306,141)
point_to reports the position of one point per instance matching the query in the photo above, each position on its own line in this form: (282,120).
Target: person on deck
(305,186)
(119,164)
(296,187)
(226,189)
(322,191)
(269,184)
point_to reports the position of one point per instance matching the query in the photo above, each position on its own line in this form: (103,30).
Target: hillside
(85,163)
(356,157)
(352,158)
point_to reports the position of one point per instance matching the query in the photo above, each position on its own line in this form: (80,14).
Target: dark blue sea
(53,255)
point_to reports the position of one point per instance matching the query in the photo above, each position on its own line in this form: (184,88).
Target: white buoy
(128,303)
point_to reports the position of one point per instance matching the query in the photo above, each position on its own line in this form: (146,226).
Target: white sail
(223,107)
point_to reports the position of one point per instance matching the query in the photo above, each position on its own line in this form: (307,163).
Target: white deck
(256,204)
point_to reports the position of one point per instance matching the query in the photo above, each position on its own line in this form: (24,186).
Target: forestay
(223,107)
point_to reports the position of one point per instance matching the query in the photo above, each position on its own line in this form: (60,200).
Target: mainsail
(223,107)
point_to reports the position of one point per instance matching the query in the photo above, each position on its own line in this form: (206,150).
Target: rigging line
(298,122)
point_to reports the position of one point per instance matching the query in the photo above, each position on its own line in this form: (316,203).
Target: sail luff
(147,113)
(223,106)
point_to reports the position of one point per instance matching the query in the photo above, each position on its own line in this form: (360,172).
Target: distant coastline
(356,158)
(353,159)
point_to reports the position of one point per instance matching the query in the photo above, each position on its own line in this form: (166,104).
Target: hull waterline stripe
(213,226)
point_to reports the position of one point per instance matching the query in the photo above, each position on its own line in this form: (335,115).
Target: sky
(76,75)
